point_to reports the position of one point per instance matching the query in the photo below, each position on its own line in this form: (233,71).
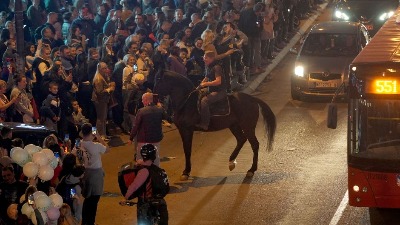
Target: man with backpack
(151,186)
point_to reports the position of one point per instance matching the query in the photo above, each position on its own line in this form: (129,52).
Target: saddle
(219,108)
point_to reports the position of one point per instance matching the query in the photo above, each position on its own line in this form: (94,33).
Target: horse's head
(162,85)
(169,83)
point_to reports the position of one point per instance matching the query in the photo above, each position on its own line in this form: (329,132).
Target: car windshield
(330,45)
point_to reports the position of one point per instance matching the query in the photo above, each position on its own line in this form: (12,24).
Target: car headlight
(299,71)
(386,15)
(341,15)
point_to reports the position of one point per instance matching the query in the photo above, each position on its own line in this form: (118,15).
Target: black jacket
(148,124)
(249,23)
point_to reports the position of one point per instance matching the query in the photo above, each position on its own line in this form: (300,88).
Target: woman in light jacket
(102,88)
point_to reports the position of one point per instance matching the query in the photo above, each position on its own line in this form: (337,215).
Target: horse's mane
(179,80)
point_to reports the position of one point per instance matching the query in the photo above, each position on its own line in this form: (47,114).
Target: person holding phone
(102,90)
(93,178)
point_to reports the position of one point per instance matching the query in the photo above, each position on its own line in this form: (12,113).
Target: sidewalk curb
(250,88)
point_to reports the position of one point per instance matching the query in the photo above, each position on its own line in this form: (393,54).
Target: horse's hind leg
(255,145)
(240,140)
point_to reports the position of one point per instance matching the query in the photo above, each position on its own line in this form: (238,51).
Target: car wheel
(295,94)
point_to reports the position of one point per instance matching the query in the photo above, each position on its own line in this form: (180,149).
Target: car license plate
(325,84)
(369,26)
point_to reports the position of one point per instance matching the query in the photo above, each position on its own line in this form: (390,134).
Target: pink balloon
(53,213)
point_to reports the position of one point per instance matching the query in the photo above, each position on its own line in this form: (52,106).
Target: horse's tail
(269,121)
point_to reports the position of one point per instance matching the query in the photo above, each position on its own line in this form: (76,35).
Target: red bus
(373,140)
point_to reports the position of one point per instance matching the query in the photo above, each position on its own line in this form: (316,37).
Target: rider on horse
(216,83)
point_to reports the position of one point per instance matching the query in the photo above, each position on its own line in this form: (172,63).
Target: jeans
(254,51)
(205,105)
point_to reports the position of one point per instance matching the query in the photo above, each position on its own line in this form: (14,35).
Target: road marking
(340,209)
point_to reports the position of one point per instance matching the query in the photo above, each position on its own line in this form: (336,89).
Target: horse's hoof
(184,177)
(232,165)
(249,174)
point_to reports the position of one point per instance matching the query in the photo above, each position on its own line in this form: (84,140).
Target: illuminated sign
(383,86)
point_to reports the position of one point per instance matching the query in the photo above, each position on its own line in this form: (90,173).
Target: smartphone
(66,137)
(30,200)
(135,68)
(77,142)
(94,130)
(57,155)
(73,192)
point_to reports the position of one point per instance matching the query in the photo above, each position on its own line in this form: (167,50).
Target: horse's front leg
(187,138)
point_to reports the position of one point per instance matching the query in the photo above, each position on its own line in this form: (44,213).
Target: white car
(323,60)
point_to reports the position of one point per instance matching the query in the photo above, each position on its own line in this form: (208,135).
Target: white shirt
(92,154)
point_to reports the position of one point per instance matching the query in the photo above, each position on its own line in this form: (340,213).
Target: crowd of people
(101,55)
(90,62)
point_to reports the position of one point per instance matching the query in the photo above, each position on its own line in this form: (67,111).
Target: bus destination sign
(383,86)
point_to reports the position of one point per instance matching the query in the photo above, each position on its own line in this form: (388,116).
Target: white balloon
(31,149)
(44,217)
(27,210)
(46,172)
(37,194)
(19,155)
(54,163)
(57,200)
(40,158)
(31,169)
(43,203)
(49,153)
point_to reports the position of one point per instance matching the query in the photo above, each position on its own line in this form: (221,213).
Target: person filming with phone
(147,127)
(93,179)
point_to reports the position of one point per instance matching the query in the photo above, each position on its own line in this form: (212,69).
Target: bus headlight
(356,188)
(299,71)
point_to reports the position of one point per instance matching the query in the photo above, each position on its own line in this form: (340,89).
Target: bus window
(379,123)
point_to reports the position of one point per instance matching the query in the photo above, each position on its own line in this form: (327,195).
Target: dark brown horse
(242,120)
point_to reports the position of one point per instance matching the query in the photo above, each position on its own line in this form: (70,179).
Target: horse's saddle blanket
(219,108)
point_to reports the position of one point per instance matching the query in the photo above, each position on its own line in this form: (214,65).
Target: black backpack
(126,176)
(159,181)
(64,190)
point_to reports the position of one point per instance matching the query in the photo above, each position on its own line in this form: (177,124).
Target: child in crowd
(78,119)
(50,110)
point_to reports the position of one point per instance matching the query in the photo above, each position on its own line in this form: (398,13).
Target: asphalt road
(302,181)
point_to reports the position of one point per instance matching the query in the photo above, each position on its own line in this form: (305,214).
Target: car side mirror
(332,116)
(293,51)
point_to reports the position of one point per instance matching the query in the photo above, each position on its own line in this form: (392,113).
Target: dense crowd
(65,85)
(91,60)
